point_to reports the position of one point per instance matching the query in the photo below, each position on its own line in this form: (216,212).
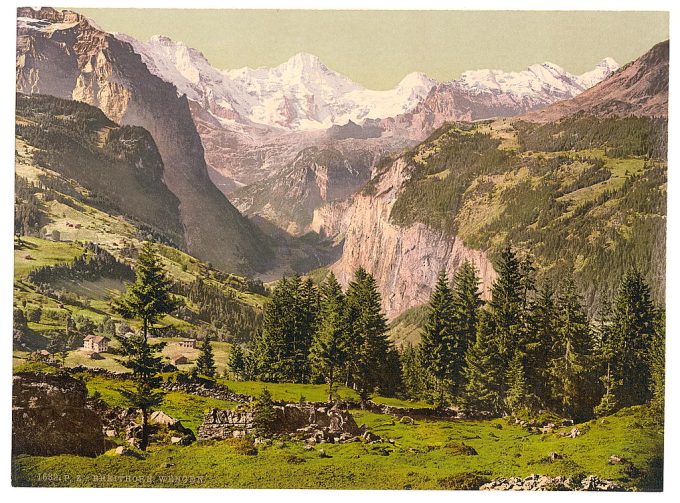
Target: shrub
(242,445)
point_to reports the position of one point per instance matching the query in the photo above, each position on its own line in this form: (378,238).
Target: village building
(188,343)
(179,360)
(96,343)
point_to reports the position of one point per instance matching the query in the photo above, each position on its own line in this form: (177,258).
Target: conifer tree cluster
(533,348)
(325,335)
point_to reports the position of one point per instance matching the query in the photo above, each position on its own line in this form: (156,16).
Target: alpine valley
(305,228)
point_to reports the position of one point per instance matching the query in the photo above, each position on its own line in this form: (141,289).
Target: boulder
(50,417)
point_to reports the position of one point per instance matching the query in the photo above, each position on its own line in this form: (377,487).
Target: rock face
(311,422)
(405,261)
(546,483)
(316,176)
(61,53)
(49,417)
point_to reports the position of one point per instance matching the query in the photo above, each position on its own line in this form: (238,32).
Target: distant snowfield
(304,94)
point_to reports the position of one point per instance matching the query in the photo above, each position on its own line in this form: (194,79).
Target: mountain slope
(316,176)
(585,195)
(253,122)
(61,53)
(119,166)
(485,94)
(639,88)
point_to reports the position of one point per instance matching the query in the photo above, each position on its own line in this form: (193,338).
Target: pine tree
(368,341)
(288,327)
(608,403)
(237,362)
(272,348)
(148,298)
(567,370)
(541,343)
(205,363)
(264,414)
(518,397)
(629,336)
(483,376)
(466,305)
(329,346)
(414,376)
(437,343)
(507,305)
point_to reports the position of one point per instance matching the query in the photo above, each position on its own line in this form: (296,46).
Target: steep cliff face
(316,175)
(61,53)
(404,260)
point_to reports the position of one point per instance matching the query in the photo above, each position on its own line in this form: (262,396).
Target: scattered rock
(545,483)
(322,454)
(122,451)
(406,420)
(616,460)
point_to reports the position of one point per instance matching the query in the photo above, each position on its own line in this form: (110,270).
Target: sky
(378,48)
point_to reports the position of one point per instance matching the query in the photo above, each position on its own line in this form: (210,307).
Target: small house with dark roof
(179,360)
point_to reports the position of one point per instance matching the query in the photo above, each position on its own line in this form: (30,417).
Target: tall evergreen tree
(483,375)
(205,363)
(568,367)
(147,299)
(237,362)
(541,343)
(518,398)
(272,346)
(329,346)
(414,376)
(507,306)
(368,341)
(466,304)
(437,341)
(628,338)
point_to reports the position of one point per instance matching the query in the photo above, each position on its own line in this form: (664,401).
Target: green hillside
(63,279)
(587,196)
(118,166)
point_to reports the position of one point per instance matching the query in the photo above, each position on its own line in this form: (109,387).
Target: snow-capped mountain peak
(303,93)
(603,70)
(546,80)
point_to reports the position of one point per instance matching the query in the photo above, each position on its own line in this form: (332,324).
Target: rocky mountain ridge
(63,54)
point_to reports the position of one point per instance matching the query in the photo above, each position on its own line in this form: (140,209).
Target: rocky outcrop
(63,54)
(306,421)
(125,423)
(316,176)
(546,483)
(50,417)
(404,260)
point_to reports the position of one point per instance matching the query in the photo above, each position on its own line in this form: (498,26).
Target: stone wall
(323,423)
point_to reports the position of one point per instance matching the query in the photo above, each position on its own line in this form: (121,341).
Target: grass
(423,456)
(289,392)
(36,252)
(187,408)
